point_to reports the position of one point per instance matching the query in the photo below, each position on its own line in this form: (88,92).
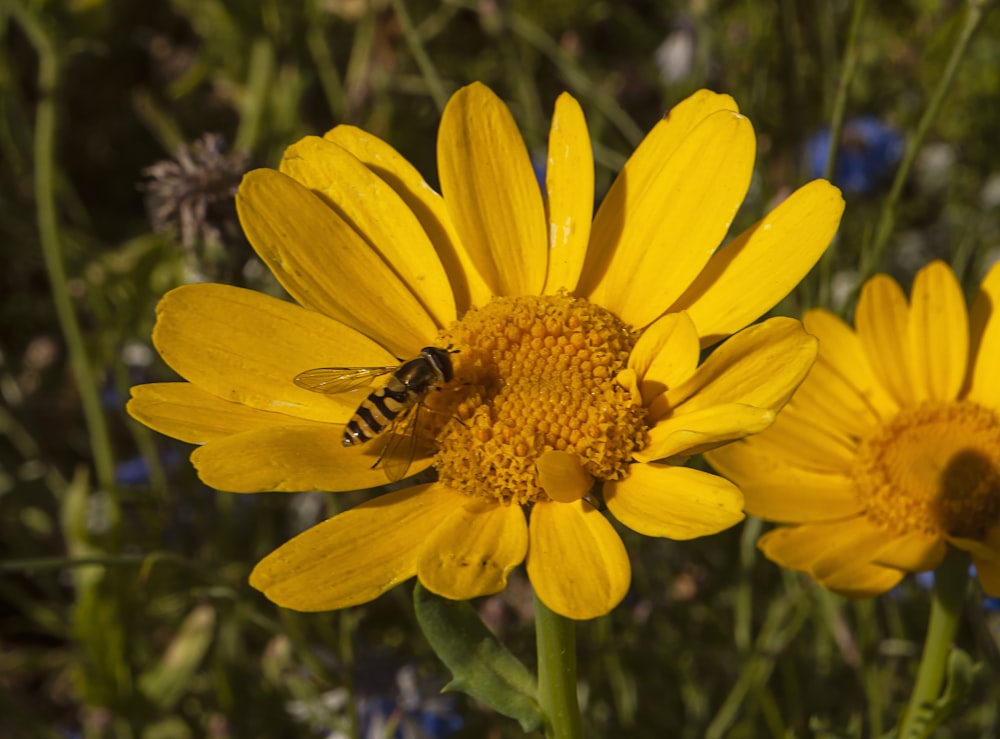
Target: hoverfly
(394,407)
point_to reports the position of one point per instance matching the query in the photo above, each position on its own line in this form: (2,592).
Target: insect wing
(397,454)
(335,380)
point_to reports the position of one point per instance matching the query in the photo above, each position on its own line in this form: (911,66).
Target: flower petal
(939,332)
(562,476)
(807,444)
(642,167)
(841,350)
(662,226)
(986,327)
(674,502)
(862,580)
(914,551)
(491,192)
(760,366)
(472,551)
(828,398)
(426,204)
(775,490)
(326,265)
(883,325)
(759,267)
(357,555)
(694,433)
(665,355)
(247,347)
(291,459)
(569,184)
(988,574)
(822,549)
(378,214)
(186,412)
(576,561)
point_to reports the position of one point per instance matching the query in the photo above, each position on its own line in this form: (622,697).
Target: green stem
(950,581)
(48,233)
(556,638)
(850,63)
(434,84)
(975,12)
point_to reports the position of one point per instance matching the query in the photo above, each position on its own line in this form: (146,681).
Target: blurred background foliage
(124,608)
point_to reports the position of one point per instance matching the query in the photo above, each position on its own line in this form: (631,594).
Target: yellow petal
(247,347)
(473,550)
(760,366)
(986,326)
(841,350)
(674,502)
(569,183)
(694,433)
(759,267)
(862,580)
(883,326)
(491,192)
(829,399)
(188,413)
(426,204)
(327,266)
(357,555)
(562,476)
(378,214)
(939,331)
(643,167)
(576,561)
(775,490)
(988,574)
(807,444)
(849,542)
(823,549)
(913,552)
(663,227)
(291,459)
(665,355)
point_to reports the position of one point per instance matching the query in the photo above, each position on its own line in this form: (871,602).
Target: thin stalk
(48,233)
(837,115)
(950,583)
(870,260)
(413,40)
(556,637)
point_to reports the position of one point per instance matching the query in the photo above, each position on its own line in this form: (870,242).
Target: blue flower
(868,153)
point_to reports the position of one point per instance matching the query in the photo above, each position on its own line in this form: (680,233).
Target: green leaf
(480,665)
(166,683)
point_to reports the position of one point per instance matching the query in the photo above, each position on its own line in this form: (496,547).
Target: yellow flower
(890,450)
(576,347)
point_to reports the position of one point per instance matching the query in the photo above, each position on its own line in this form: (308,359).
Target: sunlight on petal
(939,332)
(357,555)
(291,459)
(569,184)
(577,563)
(562,476)
(674,502)
(491,193)
(247,347)
(472,551)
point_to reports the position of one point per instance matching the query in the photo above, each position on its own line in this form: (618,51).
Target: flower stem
(48,234)
(950,580)
(871,259)
(556,639)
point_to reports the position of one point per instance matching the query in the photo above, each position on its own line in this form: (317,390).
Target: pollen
(933,469)
(535,374)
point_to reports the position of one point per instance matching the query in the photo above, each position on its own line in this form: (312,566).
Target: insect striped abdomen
(377,411)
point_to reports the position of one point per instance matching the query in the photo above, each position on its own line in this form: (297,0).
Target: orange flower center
(534,374)
(934,468)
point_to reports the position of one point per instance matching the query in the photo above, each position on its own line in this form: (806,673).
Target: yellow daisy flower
(575,343)
(890,450)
